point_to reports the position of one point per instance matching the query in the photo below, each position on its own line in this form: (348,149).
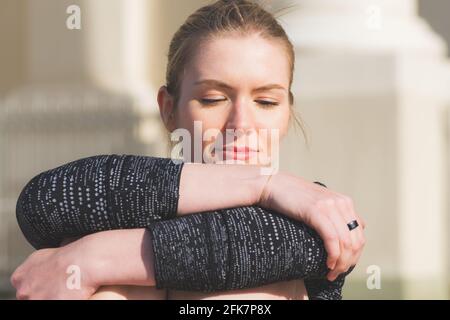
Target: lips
(238,153)
(239,149)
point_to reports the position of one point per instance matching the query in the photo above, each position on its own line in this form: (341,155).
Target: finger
(357,239)
(360,242)
(351,215)
(356,251)
(349,253)
(327,232)
(357,235)
(357,217)
(356,258)
(346,244)
(351,208)
(362,222)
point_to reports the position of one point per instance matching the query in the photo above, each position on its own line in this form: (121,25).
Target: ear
(166,108)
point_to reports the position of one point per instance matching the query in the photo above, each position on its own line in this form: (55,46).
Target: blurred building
(372,85)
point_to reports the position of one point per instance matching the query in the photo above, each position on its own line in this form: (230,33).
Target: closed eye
(268,103)
(212,101)
(261,102)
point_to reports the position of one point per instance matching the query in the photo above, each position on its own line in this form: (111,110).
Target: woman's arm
(213,251)
(116,192)
(240,248)
(78,269)
(123,192)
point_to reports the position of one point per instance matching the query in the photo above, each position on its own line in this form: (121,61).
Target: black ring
(352,225)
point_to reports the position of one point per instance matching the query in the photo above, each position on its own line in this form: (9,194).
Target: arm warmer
(95,194)
(212,251)
(240,248)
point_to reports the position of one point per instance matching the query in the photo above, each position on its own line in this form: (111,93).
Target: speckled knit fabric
(213,251)
(239,248)
(97,193)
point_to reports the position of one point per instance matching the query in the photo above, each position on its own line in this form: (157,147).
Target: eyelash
(267,104)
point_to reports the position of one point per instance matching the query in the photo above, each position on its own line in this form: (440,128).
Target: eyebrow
(220,84)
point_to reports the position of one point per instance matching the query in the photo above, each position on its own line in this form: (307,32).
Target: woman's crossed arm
(116,192)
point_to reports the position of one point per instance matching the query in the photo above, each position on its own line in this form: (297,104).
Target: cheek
(208,118)
(277,119)
(201,123)
(184,117)
(284,121)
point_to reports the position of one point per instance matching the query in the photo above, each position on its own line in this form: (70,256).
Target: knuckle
(345,202)
(341,269)
(346,243)
(341,201)
(337,269)
(356,249)
(325,203)
(21,295)
(334,254)
(331,237)
(362,242)
(15,279)
(348,200)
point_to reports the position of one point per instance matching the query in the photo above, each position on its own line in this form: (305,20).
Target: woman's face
(237,88)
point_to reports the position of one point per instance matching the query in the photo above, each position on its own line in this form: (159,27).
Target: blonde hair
(241,17)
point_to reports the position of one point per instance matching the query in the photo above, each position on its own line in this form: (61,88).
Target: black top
(218,250)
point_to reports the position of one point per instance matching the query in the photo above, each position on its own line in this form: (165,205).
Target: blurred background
(372,86)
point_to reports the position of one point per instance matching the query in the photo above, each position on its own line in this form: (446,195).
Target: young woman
(189,230)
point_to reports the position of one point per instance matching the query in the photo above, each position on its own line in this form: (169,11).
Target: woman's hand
(116,257)
(325,211)
(57,273)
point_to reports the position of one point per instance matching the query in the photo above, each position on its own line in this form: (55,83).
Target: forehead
(250,60)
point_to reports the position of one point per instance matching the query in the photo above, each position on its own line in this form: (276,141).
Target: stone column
(83,92)
(372,85)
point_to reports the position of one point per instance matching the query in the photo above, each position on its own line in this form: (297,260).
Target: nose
(240,120)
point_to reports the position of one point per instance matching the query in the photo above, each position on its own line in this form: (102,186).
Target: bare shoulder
(286,290)
(129,293)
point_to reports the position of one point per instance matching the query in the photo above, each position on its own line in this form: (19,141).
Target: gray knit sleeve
(96,194)
(240,248)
